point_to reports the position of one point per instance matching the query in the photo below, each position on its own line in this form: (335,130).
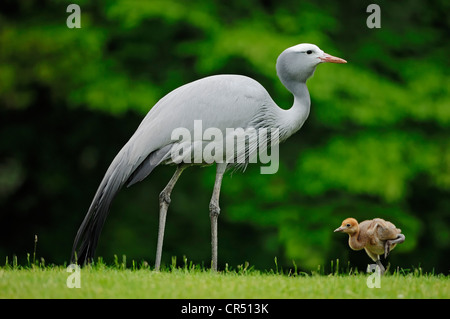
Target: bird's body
(376,236)
(375,233)
(219,102)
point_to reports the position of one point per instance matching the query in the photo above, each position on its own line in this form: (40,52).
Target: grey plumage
(220,101)
(146,167)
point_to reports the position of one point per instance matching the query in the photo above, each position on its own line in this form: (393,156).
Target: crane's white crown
(304,47)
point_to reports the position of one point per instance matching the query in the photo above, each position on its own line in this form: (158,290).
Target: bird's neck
(292,120)
(355,241)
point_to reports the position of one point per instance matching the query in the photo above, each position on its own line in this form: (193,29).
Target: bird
(219,101)
(376,236)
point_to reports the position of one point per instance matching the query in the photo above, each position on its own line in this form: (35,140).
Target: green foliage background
(376,143)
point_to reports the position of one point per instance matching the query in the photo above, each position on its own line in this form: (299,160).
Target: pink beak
(332,59)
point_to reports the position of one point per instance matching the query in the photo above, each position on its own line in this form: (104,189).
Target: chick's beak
(338,229)
(332,59)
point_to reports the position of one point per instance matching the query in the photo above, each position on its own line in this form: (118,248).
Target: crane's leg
(376,258)
(382,269)
(214,211)
(164,201)
(388,246)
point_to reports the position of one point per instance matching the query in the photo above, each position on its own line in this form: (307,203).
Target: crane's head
(299,62)
(349,226)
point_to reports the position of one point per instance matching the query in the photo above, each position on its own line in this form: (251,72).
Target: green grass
(190,281)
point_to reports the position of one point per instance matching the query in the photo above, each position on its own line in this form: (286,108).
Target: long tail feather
(87,237)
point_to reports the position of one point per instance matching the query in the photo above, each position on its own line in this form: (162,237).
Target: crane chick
(376,236)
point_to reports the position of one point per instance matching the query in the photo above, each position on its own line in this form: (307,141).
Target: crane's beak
(337,230)
(332,59)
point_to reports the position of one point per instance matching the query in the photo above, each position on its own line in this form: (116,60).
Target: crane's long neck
(355,241)
(291,120)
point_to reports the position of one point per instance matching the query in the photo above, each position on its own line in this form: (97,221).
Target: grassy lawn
(102,281)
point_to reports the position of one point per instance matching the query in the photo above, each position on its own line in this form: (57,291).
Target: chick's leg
(379,264)
(390,244)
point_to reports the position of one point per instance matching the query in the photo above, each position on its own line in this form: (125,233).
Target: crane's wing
(384,229)
(223,101)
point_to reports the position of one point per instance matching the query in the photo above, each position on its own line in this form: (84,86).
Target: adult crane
(219,101)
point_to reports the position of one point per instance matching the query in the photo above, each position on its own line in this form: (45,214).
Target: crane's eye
(309,52)
(348,225)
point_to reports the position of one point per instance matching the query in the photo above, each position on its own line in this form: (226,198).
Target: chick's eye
(309,52)
(348,225)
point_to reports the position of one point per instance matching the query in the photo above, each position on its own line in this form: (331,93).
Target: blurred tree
(376,143)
